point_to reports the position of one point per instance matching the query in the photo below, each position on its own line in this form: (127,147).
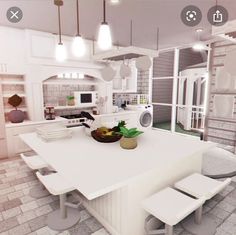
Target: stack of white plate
(53,132)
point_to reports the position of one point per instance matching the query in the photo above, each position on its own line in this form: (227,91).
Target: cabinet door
(3,144)
(12,48)
(19,145)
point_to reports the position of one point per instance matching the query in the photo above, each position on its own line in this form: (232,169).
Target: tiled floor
(21,214)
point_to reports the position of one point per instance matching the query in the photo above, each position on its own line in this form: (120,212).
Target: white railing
(198,118)
(191,117)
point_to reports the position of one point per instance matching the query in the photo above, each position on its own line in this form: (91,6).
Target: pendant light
(61,53)
(199,45)
(78,46)
(104,35)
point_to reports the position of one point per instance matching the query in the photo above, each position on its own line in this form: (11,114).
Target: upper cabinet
(12,51)
(41,49)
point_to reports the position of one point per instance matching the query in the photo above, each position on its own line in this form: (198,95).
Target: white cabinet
(12,48)
(15,145)
(41,48)
(128,84)
(3,144)
(110,120)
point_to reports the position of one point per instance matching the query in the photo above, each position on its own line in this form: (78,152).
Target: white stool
(200,186)
(68,214)
(35,162)
(171,207)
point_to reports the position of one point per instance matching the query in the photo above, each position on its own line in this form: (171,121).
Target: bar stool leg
(198,215)
(64,218)
(63,210)
(39,191)
(169,229)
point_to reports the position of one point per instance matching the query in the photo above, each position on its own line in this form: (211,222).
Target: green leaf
(137,134)
(124,131)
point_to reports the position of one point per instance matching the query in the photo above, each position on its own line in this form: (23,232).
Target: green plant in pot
(16,116)
(70,100)
(129,139)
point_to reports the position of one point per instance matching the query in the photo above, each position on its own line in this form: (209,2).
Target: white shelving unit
(11,85)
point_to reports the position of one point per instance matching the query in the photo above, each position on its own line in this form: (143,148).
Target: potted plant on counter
(16,116)
(70,100)
(129,139)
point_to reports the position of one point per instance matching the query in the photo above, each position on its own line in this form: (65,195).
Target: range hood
(227,31)
(126,53)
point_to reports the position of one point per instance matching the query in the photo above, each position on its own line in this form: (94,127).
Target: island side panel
(121,212)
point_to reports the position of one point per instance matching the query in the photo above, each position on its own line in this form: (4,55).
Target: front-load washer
(145,115)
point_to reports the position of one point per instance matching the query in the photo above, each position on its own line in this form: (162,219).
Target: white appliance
(74,120)
(145,115)
(85,98)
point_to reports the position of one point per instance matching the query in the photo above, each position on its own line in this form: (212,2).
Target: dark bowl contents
(105,135)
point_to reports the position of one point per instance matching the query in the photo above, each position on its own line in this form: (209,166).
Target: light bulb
(61,53)
(78,46)
(114,2)
(199,46)
(104,37)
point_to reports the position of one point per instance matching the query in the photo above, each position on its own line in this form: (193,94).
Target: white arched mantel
(37,74)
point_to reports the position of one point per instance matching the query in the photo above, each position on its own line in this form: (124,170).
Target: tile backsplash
(142,95)
(55,95)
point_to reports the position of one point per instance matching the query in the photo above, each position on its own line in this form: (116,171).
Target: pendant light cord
(104,11)
(59,24)
(77,11)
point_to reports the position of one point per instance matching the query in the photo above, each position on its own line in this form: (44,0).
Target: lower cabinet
(131,119)
(14,143)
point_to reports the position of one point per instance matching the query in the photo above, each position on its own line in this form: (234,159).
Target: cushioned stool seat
(171,207)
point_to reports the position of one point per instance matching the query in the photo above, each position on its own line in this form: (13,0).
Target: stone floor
(21,214)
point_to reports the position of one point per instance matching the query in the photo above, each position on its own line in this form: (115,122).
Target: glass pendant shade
(104,37)
(78,47)
(199,46)
(61,53)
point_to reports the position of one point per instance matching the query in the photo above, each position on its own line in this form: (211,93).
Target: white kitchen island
(114,181)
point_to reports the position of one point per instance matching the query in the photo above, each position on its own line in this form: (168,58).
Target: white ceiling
(147,15)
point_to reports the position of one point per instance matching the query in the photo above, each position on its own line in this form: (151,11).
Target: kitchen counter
(111,178)
(121,112)
(28,122)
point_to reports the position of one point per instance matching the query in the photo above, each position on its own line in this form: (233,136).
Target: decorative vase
(128,143)
(71,102)
(16,116)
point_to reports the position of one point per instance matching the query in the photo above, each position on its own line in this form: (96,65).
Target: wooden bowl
(106,139)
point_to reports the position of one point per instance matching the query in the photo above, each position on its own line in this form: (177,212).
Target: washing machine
(145,115)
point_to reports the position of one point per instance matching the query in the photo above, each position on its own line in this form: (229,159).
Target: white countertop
(96,168)
(28,122)
(115,114)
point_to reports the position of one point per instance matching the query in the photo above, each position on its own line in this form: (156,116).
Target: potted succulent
(16,116)
(70,100)
(129,139)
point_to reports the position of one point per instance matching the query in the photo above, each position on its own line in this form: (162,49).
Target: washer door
(145,119)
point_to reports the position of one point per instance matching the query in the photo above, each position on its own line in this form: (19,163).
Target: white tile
(21,186)
(11,212)
(29,215)
(43,210)
(20,230)
(29,206)
(44,200)
(101,232)
(26,199)
(14,195)
(6,191)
